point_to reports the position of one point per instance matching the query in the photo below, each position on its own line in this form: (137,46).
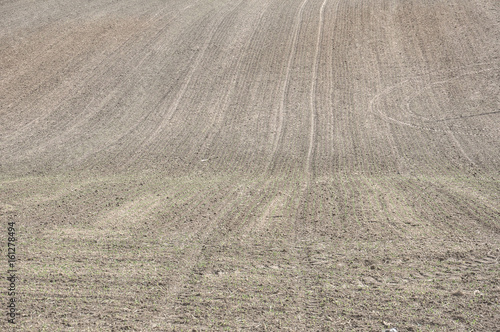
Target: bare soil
(251,164)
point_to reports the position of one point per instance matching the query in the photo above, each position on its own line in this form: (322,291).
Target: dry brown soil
(251,164)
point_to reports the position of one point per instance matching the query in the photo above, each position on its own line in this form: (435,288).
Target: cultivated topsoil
(258,165)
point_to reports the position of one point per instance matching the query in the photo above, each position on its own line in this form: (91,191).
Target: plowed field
(251,164)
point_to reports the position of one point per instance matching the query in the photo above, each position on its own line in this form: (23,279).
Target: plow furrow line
(166,117)
(284,88)
(96,76)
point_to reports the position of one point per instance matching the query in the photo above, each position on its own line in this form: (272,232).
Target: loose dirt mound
(252,165)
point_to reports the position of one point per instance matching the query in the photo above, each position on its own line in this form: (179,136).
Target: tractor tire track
(284,89)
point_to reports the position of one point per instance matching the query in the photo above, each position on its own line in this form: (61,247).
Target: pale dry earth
(321,165)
